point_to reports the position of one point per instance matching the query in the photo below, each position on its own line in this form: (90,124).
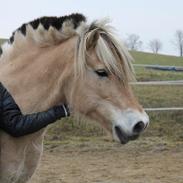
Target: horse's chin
(121,136)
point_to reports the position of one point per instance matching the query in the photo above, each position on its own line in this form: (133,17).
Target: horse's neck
(37,78)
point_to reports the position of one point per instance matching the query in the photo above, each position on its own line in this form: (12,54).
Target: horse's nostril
(139,127)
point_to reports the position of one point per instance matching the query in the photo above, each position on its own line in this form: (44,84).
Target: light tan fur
(44,69)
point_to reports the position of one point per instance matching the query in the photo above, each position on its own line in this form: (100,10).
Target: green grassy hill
(150,58)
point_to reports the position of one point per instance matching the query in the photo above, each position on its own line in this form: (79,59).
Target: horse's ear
(92,40)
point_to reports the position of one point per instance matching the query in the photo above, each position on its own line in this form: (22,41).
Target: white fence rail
(164,109)
(150,83)
(176,82)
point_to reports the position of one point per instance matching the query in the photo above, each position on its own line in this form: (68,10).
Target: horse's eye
(101,73)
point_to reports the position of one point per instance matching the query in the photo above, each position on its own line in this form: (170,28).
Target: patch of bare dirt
(101,161)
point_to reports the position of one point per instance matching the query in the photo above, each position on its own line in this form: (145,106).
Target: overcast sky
(149,19)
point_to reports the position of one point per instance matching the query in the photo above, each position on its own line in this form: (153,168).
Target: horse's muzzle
(123,137)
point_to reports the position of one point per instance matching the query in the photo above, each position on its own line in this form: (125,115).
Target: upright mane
(42,32)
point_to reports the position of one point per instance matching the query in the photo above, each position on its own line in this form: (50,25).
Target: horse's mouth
(123,137)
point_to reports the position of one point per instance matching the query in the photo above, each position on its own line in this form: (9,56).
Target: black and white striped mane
(46,31)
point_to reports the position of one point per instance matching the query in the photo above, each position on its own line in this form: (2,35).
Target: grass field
(150,58)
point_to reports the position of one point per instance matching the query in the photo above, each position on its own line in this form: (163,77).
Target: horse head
(100,89)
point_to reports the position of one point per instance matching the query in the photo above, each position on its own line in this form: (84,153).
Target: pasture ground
(98,160)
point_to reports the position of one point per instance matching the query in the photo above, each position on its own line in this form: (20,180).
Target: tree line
(133,42)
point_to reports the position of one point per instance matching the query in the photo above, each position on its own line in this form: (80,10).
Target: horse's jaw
(123,125)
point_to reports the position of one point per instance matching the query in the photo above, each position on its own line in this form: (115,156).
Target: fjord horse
(53,60)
